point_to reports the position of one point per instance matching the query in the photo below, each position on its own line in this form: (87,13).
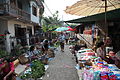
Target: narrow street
(30,31)
(62,67)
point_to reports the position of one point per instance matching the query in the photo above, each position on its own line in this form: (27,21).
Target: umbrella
(68,31)
(91,7)
(71,29)
(52,29)
(60,29)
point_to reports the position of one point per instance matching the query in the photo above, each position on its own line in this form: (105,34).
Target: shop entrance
(20,34)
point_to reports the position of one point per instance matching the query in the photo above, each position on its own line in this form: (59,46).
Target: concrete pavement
(62,67)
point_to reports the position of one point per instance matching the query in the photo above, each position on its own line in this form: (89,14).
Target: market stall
(94,68)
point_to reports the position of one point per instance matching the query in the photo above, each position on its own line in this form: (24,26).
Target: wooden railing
(14,11)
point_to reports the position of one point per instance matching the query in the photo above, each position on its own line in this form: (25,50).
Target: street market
(37,46)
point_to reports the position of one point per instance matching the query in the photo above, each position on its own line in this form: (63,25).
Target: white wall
(3,26)
(34,18)
(11,27)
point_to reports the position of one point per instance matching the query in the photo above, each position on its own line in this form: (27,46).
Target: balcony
(14,11)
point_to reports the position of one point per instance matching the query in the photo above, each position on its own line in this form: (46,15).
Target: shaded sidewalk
(62,67)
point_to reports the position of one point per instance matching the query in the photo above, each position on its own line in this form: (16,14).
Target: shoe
(62,50)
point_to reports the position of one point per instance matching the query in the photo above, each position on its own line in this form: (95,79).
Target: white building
(18,17)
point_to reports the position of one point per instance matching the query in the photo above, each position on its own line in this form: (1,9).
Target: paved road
(62,67)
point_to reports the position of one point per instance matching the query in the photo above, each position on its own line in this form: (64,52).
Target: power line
(46,14)
(48,8)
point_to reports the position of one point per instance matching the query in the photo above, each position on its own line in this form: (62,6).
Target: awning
(111,15)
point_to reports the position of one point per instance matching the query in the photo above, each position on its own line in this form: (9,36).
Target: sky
(59,5)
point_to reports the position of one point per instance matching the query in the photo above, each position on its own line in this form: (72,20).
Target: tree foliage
(51,22)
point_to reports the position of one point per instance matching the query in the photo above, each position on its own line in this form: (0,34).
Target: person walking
(61,40)
(66,38)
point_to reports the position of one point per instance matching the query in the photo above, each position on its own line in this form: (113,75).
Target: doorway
(20,34)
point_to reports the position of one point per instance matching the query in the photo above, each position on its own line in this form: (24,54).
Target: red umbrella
(71,29)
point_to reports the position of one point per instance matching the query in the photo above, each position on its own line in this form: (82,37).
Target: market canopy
(111,15)
(91,7)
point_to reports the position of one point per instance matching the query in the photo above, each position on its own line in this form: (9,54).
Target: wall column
(27,36)
(7,43)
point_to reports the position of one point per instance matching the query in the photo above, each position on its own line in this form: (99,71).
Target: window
(13,2)
(29,28)
(34,11)
(17,29)
(19,4)
(20,37)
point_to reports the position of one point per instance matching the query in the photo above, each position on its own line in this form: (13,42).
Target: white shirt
(61,38)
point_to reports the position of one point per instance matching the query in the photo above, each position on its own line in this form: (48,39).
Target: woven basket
(23,59)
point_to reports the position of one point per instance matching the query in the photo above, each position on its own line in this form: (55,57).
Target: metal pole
(106,18)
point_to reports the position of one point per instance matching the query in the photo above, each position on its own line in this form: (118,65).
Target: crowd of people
(46,45)
(41,50)
(103,49)
(38,51)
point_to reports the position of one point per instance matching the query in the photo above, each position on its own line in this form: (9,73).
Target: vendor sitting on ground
(45,45)
(108,44)
(111,57)
(31,53)
(101,50)
(114,58)
(7,70)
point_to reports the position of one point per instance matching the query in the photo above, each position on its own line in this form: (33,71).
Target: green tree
(51,22)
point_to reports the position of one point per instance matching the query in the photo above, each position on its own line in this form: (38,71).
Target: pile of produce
(36,70)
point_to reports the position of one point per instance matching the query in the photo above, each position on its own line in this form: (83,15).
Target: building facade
(18,20)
